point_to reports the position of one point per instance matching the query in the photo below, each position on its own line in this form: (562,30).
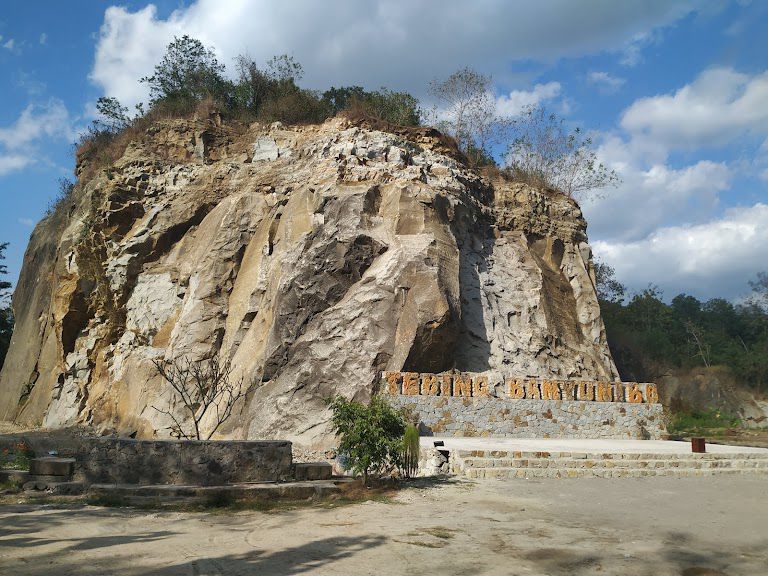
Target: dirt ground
(654,526)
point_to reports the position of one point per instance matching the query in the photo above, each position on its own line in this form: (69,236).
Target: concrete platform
(581,445)
(507,458)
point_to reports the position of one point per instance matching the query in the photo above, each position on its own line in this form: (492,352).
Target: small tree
(113,116)
(544,153)
(467,111)
(188,73)
(370,437)
(609,289)
(203,388)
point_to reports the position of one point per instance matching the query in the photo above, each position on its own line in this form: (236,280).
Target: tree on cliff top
(546,154)
(467,111)
(188,73)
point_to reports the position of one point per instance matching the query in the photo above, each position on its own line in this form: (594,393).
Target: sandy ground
(653,526)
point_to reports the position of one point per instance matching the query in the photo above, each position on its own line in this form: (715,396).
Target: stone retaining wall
(208,463)
(521,418)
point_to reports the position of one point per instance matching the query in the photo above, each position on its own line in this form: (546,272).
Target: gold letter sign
(487,385)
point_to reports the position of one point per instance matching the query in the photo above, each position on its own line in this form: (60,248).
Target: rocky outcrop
(313,258)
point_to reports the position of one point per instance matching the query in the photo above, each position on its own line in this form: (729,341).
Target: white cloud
(35,122)
(26,222)
(9,45)
(713,259)
(605,81)
(13,162)
(513,103)
(653,195)
(720,106)
(43,38)
(374,42)
(19,141)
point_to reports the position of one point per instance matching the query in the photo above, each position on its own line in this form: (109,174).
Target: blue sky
(676,94)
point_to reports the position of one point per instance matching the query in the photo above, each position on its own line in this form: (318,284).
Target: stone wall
(209,463)
(492,404)
(492,416)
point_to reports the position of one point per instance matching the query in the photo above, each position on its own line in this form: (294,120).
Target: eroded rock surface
(313,258)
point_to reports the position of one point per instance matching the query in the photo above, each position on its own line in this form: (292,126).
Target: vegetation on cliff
(6,314)
(649,338)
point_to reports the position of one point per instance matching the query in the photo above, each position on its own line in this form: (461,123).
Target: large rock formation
(313,258)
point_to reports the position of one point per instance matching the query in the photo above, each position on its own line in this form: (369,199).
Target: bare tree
(544,153)
(203,387)
(702,348)
(467,110)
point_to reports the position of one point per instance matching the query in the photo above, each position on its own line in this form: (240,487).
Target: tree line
(649,338)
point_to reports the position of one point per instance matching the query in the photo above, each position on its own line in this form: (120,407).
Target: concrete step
(9,475)
(52,466)
(465,454)
(591,463)
(133,494)
(61,488)
(312,471)
(508,473)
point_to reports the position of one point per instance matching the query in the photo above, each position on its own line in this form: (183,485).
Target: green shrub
(696,421)
(410,451)
(370,437)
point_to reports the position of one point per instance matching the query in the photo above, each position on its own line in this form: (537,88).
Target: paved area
(629,527)
(581,445)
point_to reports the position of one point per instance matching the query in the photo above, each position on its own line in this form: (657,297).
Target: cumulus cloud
(513,103)
(720,106)
(713,259)
(374,42)
(19,141)
(653,196)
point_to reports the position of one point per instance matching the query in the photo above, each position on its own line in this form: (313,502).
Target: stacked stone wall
(481,405)
(207,463)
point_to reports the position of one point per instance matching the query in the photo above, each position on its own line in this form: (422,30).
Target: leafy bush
(398,108)
(370,437)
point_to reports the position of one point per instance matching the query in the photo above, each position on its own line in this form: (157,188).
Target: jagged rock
(339,251)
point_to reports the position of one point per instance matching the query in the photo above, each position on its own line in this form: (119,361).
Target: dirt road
(655,526)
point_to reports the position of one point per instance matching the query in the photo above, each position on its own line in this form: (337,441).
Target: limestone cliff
(313,257)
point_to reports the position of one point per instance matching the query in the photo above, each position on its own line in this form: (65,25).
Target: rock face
(314,258)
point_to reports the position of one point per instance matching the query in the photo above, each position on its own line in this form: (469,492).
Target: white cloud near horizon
(713,259)
(375,42)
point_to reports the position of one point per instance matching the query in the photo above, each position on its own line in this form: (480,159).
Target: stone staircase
(52,474)
(504,465)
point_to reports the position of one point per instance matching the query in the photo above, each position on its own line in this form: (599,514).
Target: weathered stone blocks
(206,463)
